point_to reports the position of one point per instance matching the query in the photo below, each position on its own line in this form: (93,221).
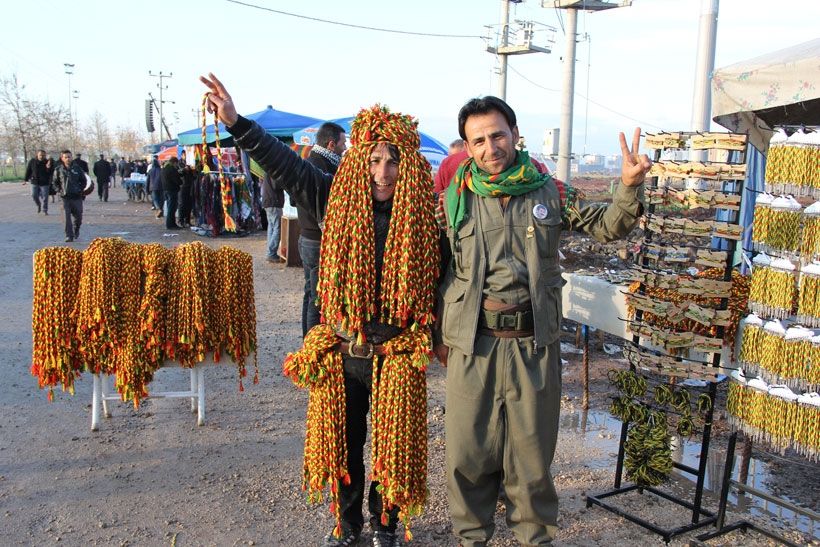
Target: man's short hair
(173,159)
(328,131)
(65,152)
(484,105)
(41,150)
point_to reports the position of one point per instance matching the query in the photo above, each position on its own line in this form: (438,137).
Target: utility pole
(565,136)
(702,96)
(69,70)
(522,33)
(501,83)
(161,75)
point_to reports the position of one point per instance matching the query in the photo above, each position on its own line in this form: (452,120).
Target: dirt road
(153,477)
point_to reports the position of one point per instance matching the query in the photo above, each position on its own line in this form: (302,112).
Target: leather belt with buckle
(500,320)
(364,351)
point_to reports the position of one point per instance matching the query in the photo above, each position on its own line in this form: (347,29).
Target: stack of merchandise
(123,309)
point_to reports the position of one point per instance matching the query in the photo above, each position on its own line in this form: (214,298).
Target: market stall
(772,397)
(239,199)
(431,149)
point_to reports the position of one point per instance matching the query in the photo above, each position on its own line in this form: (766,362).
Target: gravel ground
(153,477)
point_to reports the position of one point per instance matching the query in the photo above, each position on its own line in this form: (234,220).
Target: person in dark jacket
(113,165)
(326,155)
(155,186)
(361,248)
(69,180)
(186,191)
(102,170)
(37,174)
(78,159)
(171,183)
(273,200)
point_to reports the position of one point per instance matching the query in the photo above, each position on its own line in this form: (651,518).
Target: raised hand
(219,100)
(635,166)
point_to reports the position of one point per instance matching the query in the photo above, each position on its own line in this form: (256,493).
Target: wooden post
(585,370)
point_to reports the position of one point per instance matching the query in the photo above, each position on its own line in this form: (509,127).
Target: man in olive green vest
(501,317)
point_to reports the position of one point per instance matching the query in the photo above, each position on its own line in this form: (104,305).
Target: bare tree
(99,136)
(28,124)
(129,141)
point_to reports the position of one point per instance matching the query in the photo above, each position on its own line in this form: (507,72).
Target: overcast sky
(637,66)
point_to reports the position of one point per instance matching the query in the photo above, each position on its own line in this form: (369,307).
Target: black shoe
(174,227)
(349,537)
(69,239)
(38,209)
(383,538)
(45,213)
(76,233)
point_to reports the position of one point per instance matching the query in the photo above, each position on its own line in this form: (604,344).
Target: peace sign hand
(219,100)
(635,166)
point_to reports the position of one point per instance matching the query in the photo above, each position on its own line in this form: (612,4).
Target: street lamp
(69,70)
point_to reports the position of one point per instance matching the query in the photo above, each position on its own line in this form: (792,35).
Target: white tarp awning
(779,88)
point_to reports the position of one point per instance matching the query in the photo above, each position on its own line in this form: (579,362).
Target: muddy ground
(153,477)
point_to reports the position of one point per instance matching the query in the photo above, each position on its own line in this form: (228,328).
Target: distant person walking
(155,186)
(102,170)
(171,183)
(113,165)
(78,159)
(273,200)
(69,179)
(37,174)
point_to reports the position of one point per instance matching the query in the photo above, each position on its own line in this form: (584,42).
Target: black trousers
(358,386)
(73,208)
(102,190)
(171,203)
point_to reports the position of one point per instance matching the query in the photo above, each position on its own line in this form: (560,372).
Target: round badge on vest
(540,211)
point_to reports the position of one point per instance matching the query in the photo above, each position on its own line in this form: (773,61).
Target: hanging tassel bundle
(132,372)
(808,301)
(224,181)
(190,313)
(399,446)
(318,367)
(773,290)
(810,234)
(235,325)
(100,320)
(776,416)
(55,359)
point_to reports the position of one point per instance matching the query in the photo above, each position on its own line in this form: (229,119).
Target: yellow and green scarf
(520,178)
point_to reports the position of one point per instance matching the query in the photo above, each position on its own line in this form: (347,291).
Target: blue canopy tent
(432,149)
(275,122)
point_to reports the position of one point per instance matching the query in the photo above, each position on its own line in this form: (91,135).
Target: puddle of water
(601,432)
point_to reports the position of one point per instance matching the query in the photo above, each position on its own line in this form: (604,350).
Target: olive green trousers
(502,409)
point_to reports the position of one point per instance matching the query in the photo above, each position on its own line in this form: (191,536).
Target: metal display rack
(728,183)
(745,525)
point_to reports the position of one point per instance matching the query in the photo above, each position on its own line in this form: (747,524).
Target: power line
(350,25)
(642,123)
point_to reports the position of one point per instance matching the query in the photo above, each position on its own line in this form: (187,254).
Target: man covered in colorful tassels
(379,266)
(501,318)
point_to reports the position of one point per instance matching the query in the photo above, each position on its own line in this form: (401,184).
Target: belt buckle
(368,345)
